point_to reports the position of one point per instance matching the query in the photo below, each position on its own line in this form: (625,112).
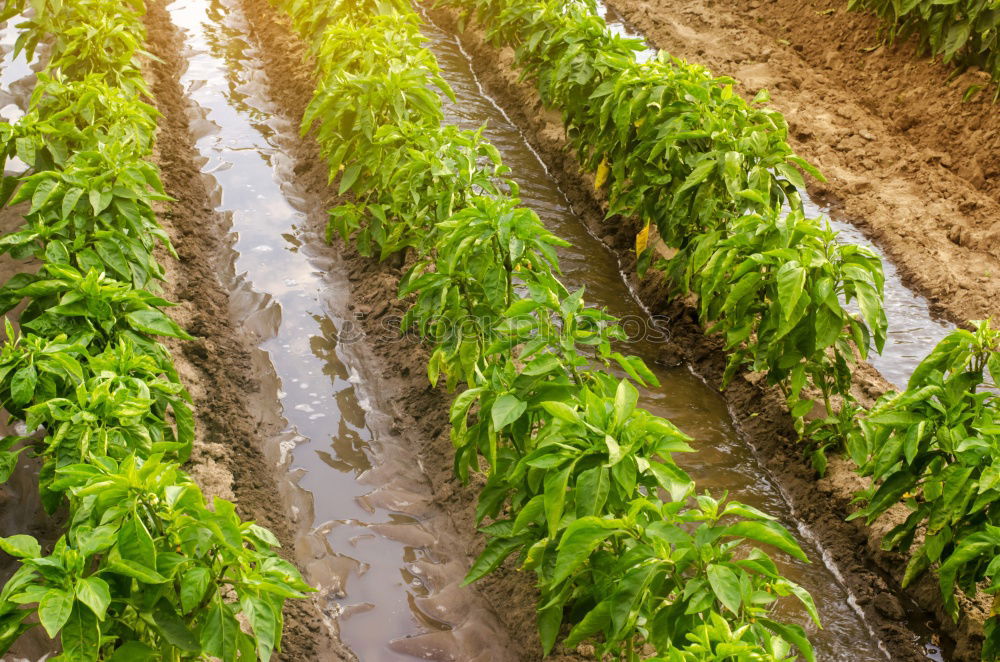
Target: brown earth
(422,411)
(918,97)
(906,161)
(220,366)
(872,574)
(222,373)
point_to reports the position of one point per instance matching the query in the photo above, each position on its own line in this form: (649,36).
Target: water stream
(386,560)
(723,461)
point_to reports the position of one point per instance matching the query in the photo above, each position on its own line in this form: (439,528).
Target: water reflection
(723,461)
(366,547)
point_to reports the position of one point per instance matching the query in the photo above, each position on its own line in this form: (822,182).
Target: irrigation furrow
(388,562)
(725,460)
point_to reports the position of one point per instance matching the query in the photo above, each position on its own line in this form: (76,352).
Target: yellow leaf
(642,239)
(638,123)
(602,174)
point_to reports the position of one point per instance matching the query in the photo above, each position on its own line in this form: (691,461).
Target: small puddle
(723,461)
(388,563)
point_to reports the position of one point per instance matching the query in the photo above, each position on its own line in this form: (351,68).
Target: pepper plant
(580,481)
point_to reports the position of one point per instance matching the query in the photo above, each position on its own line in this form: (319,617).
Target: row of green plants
(962,32)
(581,486)
(776,284)
(935,446)
(147,568)
(678,150)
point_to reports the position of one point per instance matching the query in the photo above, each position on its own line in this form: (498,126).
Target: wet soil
(906,160)
(872,574)
(919,97)
(422,411)
(219,367)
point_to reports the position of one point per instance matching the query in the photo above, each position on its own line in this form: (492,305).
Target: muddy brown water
(381,554)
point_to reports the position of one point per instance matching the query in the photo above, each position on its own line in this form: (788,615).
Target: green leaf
(70,199)
(549,621)
(22,385)
(698,175)
(497,550)
(173,629)
(506,409)
(555,498)
(219,631)
(135,651)
(54,610)
(578,541)
(81,636)
(264,623)
(791,281)
(561,410)
(21,546)
(726,586)
(156,323)
(626,397)
(194,583)
(136,571)
(804,598)
(43,192)
(351,174)
(94,592)
(793,634)
(136,544)
(594,621)
(769,533)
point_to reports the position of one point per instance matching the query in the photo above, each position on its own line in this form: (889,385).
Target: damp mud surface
(316,417)
(412,413)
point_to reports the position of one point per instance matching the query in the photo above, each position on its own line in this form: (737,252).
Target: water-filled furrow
(913,331)
(724,460)
(387,561)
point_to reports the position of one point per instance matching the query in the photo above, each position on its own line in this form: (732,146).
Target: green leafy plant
(680,152)
(147,569)
(149,572)
(580,481)
(936,447)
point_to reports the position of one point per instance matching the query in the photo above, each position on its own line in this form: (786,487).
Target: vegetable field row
(574,468)
(146,570)
(775,285)
(680,151)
